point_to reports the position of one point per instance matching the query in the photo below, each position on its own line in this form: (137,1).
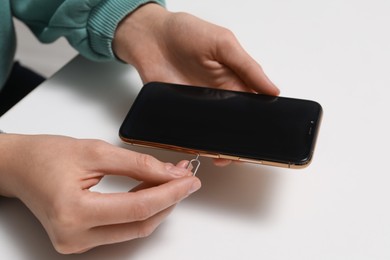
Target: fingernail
(177,171)
(182,164)
(195,186)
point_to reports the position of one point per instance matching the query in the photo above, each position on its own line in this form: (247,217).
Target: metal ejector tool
(194,163)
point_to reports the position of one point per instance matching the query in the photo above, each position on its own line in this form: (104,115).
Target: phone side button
(210,155)
(250,161)
(229,157)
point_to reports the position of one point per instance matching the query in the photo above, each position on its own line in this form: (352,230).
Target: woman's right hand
(53,175)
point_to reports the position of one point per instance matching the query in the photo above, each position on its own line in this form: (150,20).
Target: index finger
(112,160)
(119,208)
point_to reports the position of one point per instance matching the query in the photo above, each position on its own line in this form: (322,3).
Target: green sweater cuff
(104,20)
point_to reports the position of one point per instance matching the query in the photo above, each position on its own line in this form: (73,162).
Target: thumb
(142,167)
(248,70)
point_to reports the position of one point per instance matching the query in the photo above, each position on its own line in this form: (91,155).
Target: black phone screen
(245,125)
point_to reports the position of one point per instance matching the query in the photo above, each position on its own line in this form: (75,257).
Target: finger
(251,73)
(221,162)
(232,81)
(124,232)
(117,208)
(182,164)
(146,185)
(119,161)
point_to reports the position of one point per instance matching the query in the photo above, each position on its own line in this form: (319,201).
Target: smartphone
(248,127)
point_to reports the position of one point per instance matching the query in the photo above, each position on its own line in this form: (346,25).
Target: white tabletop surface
(336,52)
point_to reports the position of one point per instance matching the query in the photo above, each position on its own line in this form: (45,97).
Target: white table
(335,52)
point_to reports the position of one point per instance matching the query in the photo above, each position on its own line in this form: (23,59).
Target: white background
(334,52)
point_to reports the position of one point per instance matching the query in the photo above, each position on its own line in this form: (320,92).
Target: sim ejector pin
(196,166)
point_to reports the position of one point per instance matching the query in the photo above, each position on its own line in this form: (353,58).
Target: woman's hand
(53,175)
(180,48)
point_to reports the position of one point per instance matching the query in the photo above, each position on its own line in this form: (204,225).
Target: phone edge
(152,145)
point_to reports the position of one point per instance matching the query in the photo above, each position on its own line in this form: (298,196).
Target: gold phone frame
(214,155)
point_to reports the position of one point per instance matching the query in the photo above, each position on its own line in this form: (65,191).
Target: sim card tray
(196,166)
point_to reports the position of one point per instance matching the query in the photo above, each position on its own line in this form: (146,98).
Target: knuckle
(141,211)
(65,227)
(145,230)
(65,241)
(227,33)
(62,218)
(67,247)
(227,39)
(145,161)
(94,148)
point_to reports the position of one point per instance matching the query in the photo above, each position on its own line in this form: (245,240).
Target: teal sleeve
(88,25)
(7,41)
